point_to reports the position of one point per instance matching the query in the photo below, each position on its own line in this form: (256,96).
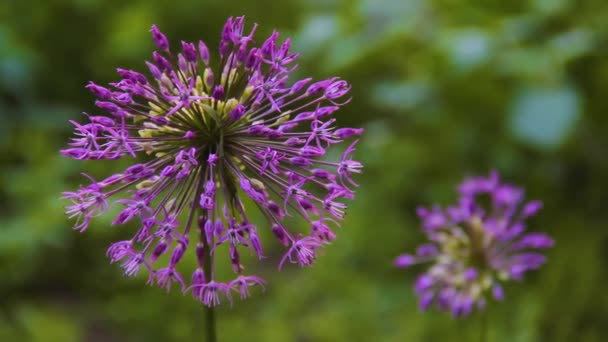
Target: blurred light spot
(378,21)
(549,6)
(344,52)
(386,15)
(533,63)
(15,65)
(315,32)
(401,95)
(571,44)
(517,29)
(14,74)
(467,49)
(545,117)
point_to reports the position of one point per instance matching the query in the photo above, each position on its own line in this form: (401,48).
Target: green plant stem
(210,324)
(484,327)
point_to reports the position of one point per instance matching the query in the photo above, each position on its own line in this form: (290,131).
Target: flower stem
(209,310)
(484,327)
(210,323)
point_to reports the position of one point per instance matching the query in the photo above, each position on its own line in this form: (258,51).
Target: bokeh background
(444,88)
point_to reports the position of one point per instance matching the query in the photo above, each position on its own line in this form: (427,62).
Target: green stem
(484,326)
(210,323)
(209,311)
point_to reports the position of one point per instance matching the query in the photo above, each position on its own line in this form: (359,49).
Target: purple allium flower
(475,245)
(214,133)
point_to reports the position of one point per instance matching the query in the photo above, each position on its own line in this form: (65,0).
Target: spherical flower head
(475,245)
(214,135)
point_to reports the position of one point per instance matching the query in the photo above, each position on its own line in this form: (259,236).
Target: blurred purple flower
(474,245)
(214,136)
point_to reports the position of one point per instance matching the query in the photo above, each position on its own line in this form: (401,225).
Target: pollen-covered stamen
(184,95)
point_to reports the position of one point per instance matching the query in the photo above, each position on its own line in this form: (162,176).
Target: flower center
(477,252)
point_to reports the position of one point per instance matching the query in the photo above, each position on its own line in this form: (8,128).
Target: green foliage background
(444,88)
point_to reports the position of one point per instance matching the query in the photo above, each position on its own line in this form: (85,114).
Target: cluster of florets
(214,132)
(474,245)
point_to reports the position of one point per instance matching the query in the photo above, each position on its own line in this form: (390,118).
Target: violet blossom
(212,133)
(475,245)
